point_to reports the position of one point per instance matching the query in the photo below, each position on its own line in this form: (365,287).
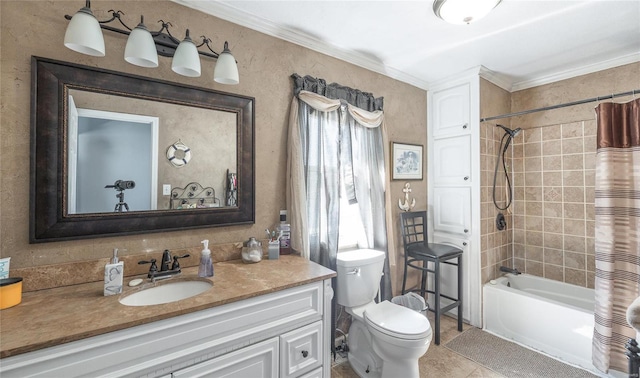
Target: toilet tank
(359,275)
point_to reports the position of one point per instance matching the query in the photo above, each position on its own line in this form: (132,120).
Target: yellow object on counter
(10,292)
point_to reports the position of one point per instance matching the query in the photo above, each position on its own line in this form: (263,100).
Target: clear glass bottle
(252,251)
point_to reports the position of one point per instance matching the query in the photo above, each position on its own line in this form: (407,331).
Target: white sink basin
(166,292)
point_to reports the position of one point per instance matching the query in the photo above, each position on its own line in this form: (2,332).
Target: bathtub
(550,316)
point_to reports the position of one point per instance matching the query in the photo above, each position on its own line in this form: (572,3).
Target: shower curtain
(617,233)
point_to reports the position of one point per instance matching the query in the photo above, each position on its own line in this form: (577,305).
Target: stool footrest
(450,307)
(441,295)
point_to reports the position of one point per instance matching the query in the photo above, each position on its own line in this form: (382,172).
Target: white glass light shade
(141,49)
(84,34)
(226,71)
(463,11)
(186,61)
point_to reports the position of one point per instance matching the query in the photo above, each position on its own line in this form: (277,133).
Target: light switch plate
(166,189)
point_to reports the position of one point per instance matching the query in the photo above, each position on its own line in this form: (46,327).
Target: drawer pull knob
(305,353)
(464,243)
(464,126)
(466,231)
(466,178)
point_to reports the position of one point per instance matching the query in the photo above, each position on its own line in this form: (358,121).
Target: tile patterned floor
(438,362)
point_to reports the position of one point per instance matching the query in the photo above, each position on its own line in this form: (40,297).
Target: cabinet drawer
(301,350)
(314,374)
(256,361)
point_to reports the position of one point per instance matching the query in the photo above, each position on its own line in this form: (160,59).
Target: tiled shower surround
(496,245)
(553,208)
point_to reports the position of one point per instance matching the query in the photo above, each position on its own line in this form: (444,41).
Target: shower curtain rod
(611,96)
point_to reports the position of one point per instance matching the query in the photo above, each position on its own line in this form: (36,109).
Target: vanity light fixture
(463,11)
(83,35)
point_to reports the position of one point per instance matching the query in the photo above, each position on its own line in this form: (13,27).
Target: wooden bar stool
(418,253)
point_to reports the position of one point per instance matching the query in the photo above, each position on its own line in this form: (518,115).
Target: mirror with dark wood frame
(193,150)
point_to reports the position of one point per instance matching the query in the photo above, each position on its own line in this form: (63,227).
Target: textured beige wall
(495,246)
(265,65)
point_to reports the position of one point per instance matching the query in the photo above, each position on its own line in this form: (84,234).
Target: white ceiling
(523,43)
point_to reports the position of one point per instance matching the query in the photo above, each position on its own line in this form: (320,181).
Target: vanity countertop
(55,316)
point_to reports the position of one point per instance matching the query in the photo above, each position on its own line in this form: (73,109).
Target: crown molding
(502,81)
(229,13)
(579,71)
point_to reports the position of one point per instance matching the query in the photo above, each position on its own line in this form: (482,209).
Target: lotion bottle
(113,275)
(206,264)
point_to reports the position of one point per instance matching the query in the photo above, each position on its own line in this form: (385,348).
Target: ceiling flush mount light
(463,11)
(84,35)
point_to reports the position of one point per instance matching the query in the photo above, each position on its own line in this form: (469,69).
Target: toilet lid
(397,321)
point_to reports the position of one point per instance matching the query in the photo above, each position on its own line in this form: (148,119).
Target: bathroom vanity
(270,319)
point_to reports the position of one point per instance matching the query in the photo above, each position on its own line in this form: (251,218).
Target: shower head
(512,133)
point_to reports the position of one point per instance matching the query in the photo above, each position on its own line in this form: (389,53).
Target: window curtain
(336,133)
(617,233)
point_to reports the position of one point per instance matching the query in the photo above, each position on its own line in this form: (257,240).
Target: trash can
(413,301)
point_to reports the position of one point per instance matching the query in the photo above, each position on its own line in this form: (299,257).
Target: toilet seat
(397,321)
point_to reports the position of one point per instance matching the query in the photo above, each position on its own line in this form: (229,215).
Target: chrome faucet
(165,271)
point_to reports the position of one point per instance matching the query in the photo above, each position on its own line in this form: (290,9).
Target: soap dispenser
(206,264)
(113,275)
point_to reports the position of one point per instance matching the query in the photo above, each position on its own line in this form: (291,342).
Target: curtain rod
(611,96)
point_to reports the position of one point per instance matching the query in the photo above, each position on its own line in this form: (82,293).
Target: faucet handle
(176,264)
(152,269)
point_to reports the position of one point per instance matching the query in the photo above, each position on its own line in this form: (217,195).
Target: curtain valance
(321,103)
(334,91)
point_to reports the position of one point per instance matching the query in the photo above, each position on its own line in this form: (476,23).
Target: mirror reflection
(128,154)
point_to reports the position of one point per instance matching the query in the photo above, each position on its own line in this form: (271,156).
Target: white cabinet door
(256,361)
(449,275)
(451,111)
(452,160)
(452,210)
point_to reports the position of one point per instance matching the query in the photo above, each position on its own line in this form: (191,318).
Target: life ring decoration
(178,154)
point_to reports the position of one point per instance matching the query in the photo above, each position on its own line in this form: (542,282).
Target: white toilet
(385,340)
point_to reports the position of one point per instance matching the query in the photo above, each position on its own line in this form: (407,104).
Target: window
(351,234)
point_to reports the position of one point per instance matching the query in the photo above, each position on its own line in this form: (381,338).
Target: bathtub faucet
(509,270)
